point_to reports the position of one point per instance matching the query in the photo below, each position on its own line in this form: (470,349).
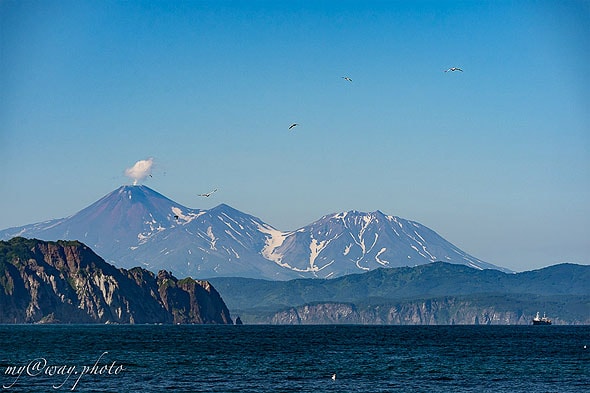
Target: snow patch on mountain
(222,219)
(315,249)
(379,260)
(185,218)
(347,249)
(274,239)
(358,264)
(211,237)
(473,265)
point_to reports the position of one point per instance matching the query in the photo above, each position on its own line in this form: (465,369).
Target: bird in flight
(293,125)
(208,194)
(452,69)
(347,78)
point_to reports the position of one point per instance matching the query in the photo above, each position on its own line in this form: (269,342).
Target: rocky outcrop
(317,314)
(191,301)
(441,311)
(66,282)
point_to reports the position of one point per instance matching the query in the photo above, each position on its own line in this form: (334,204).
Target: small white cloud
(141,170)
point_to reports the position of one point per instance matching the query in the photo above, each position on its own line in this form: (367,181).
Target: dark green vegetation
(437,293)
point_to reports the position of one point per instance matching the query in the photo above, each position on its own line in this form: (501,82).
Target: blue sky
(496,159)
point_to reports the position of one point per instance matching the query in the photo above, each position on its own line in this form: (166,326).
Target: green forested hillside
(559,289)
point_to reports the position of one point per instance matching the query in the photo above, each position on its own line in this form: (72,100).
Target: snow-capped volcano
(137,226)
(353,241)
(127,215)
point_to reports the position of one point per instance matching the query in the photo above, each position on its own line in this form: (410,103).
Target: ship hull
(537,320)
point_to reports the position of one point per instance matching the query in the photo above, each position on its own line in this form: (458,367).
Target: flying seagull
(347,78)
(452,69)
(208,194)
(293,125)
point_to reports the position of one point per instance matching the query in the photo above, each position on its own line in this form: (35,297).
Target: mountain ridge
(137,226)
(436,293)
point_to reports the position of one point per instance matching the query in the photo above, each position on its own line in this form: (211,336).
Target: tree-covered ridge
(22,249)
(559,289)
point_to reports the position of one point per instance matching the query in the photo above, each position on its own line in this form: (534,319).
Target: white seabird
(208,194)
(452,69)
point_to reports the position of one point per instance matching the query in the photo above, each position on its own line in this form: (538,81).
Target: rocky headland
(66,282)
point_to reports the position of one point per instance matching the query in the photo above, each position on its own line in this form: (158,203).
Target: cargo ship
(537,320)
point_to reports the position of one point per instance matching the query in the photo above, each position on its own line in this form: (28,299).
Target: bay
(323,358)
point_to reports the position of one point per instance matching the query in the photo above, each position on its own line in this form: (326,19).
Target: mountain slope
(137,226)
(430,280)
(353,241)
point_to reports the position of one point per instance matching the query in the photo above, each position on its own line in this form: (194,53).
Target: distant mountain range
(431,294)
(137,226)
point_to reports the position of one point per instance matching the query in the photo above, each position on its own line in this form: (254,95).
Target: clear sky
(496,159)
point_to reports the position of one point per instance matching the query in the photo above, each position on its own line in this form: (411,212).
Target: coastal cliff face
(443,311)
(191,301)
(66,282)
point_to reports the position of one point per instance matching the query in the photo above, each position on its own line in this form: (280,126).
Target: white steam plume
(141,170)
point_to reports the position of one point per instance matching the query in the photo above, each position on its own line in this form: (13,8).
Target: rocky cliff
(66,282)
(440,311)
(430,312)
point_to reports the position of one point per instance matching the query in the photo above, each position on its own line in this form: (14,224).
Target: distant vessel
(537,320)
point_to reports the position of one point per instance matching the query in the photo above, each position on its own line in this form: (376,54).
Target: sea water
(333,358)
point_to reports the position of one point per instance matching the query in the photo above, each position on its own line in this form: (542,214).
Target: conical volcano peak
(131,203)
(222,207)
(138,191)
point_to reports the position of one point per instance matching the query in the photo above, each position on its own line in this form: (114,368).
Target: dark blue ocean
(90,358)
